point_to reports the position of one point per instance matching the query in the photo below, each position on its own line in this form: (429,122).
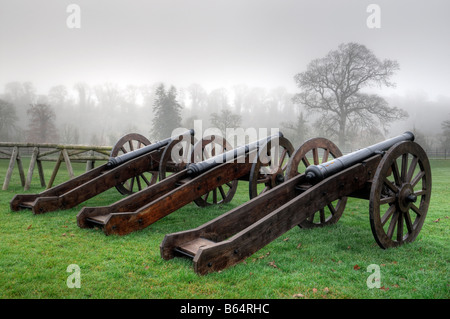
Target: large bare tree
(331,86)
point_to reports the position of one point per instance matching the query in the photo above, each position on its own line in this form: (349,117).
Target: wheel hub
(406,196)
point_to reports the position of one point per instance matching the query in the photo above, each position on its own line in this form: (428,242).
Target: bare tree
(8,119)
(332,87)
(225,119)
(218,100)
(42,127)
(296,131)
(446,134)
(199,98)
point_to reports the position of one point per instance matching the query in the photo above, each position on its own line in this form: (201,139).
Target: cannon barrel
(200,167)
(115,161)
(317,173)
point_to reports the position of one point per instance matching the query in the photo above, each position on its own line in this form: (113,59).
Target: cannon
(393,175)
(134,164)
(210,178)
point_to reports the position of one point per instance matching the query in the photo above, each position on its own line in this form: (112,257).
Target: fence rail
(58,153)
(51,153)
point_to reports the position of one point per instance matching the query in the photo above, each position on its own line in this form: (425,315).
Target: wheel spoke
(222,192)
(145,179)
(408,222)
(421,192)
(387,215)
(282,157)
(387,200)
(391,186)
(332,209)
(265,189)
(138,180)
(215,195)
(416,210)
(325,155)
(417,178)
(263,179)
(131,184)
(130,143)
(305,161)
(392,224)
(412,168)
(316,156)
(400,227)
(322,215)
(396,173)
(404,166)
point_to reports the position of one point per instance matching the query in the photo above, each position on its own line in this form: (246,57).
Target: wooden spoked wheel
(400,195)
(316,151)
(176,155)
(208,147)
(270,165)
(129,143)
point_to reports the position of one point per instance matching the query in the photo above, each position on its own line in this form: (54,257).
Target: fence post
(14,157)
(68,164)
(90,163)
(55,170)
(33,159)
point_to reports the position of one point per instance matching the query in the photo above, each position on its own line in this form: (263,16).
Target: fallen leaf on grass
(286,239)
(314,290)
(437,220)
(326,290)
(384,288)
(298,296)
(64,234)
(272,264)
(29,227)
(356,267)
(299,245)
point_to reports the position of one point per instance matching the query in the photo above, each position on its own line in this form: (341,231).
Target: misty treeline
(333,100)
(101,114)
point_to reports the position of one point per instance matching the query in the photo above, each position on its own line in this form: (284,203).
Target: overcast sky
(216,43)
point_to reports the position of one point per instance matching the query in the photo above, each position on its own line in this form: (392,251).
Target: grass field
(331,262)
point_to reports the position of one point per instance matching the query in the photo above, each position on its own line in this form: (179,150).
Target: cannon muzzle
(317,173)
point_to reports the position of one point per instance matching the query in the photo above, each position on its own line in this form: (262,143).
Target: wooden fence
(48,152)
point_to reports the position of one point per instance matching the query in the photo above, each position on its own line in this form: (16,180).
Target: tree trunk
(341,136)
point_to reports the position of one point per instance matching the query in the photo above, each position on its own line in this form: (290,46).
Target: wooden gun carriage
(134,164)
(209,178)
(393,175)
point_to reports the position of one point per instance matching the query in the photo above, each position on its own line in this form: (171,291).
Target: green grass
(331,262)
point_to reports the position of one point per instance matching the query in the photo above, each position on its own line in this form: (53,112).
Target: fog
(100,76)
